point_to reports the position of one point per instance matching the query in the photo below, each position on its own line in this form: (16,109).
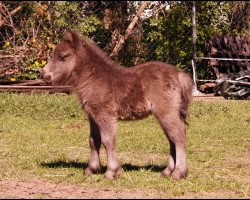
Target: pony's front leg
(95,144)
(108,131)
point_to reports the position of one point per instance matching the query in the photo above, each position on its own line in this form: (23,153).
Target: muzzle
(45,77)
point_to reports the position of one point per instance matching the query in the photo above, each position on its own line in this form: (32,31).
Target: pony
(109,92)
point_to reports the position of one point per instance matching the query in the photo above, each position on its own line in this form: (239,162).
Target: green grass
(46,136)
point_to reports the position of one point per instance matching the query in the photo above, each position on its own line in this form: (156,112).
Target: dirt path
(40,189)
(44,189)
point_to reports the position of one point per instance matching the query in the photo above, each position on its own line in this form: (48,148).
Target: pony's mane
(98,52)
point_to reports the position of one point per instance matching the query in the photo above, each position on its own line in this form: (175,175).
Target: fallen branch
(36,89)
(31,82)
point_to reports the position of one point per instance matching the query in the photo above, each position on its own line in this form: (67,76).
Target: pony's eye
(61,57)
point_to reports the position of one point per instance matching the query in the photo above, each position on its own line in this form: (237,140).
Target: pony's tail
(186,93)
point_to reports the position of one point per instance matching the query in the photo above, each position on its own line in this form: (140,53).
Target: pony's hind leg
(172,159)
(174,128)
(95,144)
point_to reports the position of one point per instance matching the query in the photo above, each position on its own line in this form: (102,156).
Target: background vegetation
(46,137)
(29,30)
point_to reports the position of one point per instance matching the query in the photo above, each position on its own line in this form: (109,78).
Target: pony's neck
(94,62)
(99,58)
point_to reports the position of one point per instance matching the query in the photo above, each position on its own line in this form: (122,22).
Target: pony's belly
(131,112)
(134,116)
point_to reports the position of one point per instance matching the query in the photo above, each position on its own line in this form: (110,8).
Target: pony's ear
(72,38)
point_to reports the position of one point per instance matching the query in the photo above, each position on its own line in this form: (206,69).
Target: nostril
(47,78)
(41,73)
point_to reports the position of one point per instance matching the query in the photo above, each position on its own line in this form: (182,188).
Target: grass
(46,136)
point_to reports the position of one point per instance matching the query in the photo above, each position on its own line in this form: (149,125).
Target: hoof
(110,174)
(88,171)
(177,174)
(167,172)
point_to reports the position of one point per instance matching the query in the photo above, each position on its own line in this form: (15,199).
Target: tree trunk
(129,29)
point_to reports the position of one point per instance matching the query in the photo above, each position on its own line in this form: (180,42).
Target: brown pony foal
(109,92)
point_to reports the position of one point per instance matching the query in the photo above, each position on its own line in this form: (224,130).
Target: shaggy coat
(109,92)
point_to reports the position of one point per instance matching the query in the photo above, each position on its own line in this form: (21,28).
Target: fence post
(194,35)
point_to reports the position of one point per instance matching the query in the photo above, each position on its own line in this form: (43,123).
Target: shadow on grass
(82,165)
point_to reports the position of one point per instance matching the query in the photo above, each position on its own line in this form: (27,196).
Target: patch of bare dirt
(220,194)
(34,189)
(209,97)
(44,189)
